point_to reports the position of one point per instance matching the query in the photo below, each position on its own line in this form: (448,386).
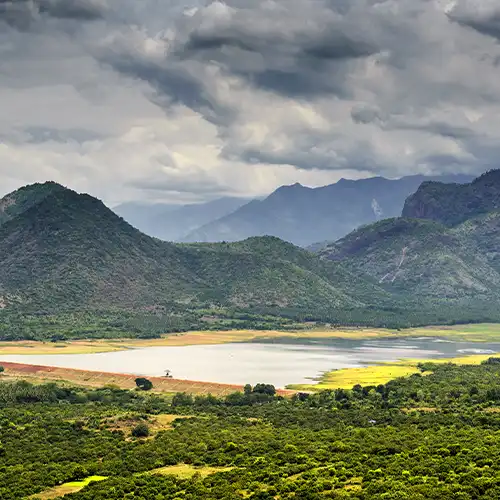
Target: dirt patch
(125,423)
(124,381)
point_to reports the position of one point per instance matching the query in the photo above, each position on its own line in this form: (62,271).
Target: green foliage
(421,437)
(140,430)
(70,268)
(452,204)
(143,383)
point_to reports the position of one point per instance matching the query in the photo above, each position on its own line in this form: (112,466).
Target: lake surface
(279,362)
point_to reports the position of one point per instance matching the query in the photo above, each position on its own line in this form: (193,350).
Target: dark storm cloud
(236,89)
(298,64)
(486,23)
(85,10)
(172,83)
(21,14)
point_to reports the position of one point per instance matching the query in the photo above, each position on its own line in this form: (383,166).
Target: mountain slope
(450,252)
(172,222)
(70,252)
(305,215)
(420,258)
(452,204)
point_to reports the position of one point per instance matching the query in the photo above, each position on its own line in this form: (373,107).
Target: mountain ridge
(304,215)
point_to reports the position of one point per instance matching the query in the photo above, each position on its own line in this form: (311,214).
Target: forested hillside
(423,437)
(71,268)
(64,253)
(452,204)
(426,258)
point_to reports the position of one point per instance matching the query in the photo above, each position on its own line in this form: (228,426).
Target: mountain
(24,198)
(304,216)
(451,253)
(452,204)
(67,251)
(172,222)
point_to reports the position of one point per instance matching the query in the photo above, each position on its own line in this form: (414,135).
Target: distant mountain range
(173,222)
(305,216)
(62,252)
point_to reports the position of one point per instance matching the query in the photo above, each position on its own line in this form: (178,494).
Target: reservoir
(279,362)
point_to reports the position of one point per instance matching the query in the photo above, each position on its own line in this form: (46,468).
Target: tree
(143,383)
(2,369)
(140,430)
(265,389)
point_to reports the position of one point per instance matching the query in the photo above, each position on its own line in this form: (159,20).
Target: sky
(188,100)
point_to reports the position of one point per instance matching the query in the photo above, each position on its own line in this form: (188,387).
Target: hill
(423,259)
(69,252)
(304,216)
(434,258)
(452,204)
(172,222)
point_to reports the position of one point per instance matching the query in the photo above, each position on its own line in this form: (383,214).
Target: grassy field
(66,488)
(185,471)
(472,333)
(346,378)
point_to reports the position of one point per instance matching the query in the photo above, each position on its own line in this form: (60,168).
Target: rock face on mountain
(172,222)
(304,216)
(451,204)
(449,250)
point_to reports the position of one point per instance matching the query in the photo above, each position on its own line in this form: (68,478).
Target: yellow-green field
(66,488)
(185,471)
(346,378)
(472,333)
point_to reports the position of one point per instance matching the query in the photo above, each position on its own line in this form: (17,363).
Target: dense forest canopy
(434,435)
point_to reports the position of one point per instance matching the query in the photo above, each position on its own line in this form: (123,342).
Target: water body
(279,362)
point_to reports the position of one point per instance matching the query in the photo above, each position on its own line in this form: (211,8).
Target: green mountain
(448,257)
(452,204)
(70,266)
(68,251)
(423,259)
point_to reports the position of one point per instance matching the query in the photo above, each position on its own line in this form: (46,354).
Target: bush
(140,430)
(143,384)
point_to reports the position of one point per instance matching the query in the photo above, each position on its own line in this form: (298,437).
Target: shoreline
(97,379)
(382,372)
(480,332)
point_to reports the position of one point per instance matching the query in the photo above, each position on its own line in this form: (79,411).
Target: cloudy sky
(187,100)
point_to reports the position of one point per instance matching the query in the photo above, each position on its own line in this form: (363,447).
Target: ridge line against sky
(185,101)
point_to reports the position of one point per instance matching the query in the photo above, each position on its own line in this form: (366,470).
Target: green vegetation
(143,383)
(452,204)
(140,430)
(419,437)
(70,269)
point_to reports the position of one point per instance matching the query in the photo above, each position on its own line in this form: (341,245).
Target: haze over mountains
(297,214)
(173,222)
